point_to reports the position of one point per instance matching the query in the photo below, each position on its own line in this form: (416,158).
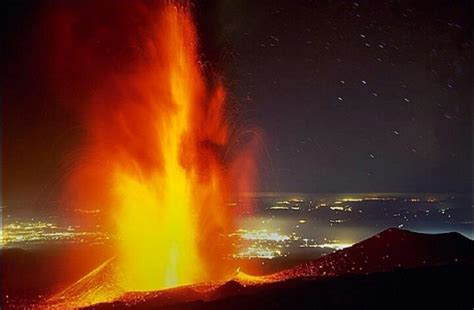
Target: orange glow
(154,160)
(158,210)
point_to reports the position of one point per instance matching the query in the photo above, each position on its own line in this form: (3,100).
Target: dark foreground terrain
(395,269)
(446,287)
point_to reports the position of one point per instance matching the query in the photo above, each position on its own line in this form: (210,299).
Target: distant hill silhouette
(33,274)
(386,251)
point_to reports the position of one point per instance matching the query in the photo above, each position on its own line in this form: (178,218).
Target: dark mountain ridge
(399,264)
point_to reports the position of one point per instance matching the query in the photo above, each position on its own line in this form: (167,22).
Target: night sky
(345,96)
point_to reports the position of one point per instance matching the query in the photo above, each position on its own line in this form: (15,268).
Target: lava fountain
(154,160)
(161,207)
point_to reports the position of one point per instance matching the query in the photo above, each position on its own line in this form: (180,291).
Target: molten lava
(153,160)
(161,208)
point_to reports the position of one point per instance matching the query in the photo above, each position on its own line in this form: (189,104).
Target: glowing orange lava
(159,210)
(153,160)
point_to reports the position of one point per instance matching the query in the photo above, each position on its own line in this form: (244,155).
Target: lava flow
(154,161)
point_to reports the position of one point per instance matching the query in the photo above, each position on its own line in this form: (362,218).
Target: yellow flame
(156,224)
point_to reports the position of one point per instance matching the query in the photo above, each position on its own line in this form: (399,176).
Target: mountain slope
(382,260)
(386,251)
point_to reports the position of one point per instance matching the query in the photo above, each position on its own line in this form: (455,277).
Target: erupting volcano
(196,154)
(154,162)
